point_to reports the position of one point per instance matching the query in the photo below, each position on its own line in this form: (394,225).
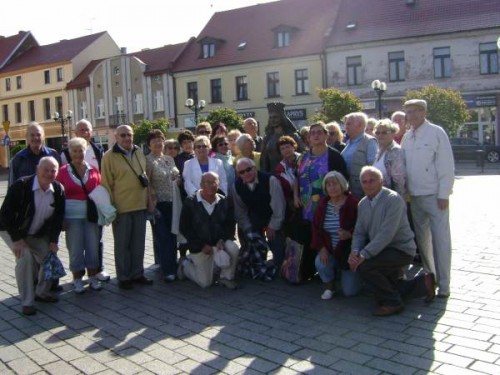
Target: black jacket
(200,228)
(18,210)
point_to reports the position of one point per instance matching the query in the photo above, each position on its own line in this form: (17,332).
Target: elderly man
(32,214)
(93,156)
(383,243)
(124,176)
(399,117)
(251,127)
(430,176)
(360,149)
(207,222)
(25,161)
(259,206)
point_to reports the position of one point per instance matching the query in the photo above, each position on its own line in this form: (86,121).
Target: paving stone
(61,368)
(88,365)
(257,364)
(159,367)
(487,368)
(376,351)
(192,367)
(42,356)
(124,366)
(391,367)
(24,366)
(454,370)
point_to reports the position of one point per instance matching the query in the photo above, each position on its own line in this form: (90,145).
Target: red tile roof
(389,19)
(65,50)
(159,60)
(254,25)
(15,44)
(82,79)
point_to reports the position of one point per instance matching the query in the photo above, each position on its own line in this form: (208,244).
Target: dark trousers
(164,241)
(380,275)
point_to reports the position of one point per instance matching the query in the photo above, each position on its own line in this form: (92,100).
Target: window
(282,39)
(273,84)
(301,82)
(46,76)
(99,111)
(241,88)
(59,73)
(5,111)
(19,82)
(117,104)
(59,104)
(353,70)
(158,101)
(208,50)
(83,110)
(7,84)
(488,58)
(396,66)
(46,109)
(31,110)
(442,62)
(116,71)
(216,90)
(138,103)
(18,113)
(192,90)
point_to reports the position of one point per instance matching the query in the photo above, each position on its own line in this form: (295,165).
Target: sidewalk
(268,327)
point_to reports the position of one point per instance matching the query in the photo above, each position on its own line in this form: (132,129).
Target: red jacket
(320,238)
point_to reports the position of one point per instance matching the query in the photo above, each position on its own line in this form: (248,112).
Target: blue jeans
(82,241)
(164,240)
(351,281)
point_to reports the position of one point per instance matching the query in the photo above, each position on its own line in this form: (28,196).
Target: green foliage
(16,149)
(445,107)
(142,129)
(336,104)
(228,116)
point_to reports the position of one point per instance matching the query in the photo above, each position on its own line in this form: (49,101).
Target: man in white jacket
(430,176)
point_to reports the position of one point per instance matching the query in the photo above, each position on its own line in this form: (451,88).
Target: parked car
(467,149)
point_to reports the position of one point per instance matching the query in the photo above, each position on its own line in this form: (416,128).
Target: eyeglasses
(246,170)
(123,135)
(223,144)
(199,147)
(382,132)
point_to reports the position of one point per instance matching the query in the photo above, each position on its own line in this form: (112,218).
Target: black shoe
(142,281)
(127,284)
(47,299)
(29,310)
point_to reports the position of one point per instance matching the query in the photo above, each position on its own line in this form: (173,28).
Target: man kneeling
(382,244)
(207,222)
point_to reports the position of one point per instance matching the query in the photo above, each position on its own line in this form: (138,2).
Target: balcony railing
(118,119)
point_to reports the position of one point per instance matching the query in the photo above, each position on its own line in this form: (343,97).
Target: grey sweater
(384,225)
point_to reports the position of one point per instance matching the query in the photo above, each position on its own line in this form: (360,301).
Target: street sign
(6,140)
(6,125)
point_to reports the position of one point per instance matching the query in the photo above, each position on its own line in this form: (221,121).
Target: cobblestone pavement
(269,327)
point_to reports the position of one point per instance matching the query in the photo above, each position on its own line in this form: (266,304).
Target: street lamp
(195,107)
(62,119)
(380,88)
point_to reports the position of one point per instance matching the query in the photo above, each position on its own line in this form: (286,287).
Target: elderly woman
(370,126)
(335,136)
(194,168)
(172,147)
(304,135)
(332,229)
(246,145)
(162,174)
(220,149)
(82,235)
(390,159)
(203,128)
(232,136)
(286,169)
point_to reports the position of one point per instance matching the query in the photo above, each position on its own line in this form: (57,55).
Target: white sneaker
(94,284)
(79,287)
(230,284)
(103,276)
(327,294)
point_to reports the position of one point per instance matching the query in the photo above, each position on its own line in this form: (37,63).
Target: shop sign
(296,114)
(247,114)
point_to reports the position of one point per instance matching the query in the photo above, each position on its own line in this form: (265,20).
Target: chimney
(123,50)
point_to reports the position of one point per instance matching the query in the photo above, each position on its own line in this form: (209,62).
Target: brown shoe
(29,310)
(430,287)
(47,299)
(388,310)
(142,280)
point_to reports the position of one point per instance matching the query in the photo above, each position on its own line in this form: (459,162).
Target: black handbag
(92,215)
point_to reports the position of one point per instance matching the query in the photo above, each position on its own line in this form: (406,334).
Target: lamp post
(195,107)
(63,119)
(380,88)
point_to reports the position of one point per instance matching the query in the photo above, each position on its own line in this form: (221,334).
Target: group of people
(346,202)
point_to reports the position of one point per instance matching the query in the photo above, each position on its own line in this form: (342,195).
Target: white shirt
(44,206)
(210,207)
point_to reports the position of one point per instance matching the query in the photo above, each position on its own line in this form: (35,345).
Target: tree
(445,107)
(142,129)
(336,104)
(228,116)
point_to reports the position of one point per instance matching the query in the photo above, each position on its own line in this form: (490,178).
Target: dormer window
(208,50)
(283,35)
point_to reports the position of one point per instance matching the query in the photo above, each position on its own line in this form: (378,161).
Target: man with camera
(123,175)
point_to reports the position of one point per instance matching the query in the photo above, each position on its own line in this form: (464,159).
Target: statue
(278,125)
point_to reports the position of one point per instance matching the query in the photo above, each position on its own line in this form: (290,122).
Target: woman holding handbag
(80,217)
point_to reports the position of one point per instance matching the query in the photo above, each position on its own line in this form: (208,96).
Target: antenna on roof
(91,30)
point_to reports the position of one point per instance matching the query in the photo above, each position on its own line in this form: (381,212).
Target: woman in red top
(82,236)
(333,224)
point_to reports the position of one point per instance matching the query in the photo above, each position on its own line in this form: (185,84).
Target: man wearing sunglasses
(259,206)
